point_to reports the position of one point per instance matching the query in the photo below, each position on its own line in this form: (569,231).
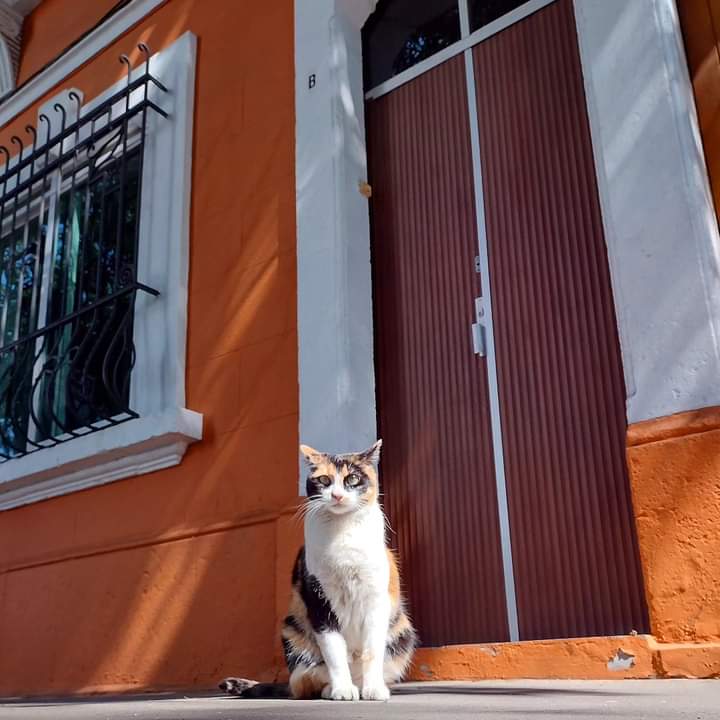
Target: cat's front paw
(340,692)
(375,692)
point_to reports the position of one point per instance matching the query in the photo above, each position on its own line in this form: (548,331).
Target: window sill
(133,448)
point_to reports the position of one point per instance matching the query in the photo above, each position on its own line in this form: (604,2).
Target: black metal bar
(71,200)
(60,160)
(143,49)
(39,249)
(100,225)
(11,259)
(25,208)
(26,241)
(66,249)
(45,207)
(98,112)
(114,355)
(3,310)
(88,308)
(119,231)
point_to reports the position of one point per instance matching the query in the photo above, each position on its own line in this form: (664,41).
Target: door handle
(478,328)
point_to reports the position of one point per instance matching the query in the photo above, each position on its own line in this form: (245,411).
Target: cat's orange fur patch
(394,586)
(308,684)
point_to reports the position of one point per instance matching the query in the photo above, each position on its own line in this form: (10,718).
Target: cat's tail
(254,690)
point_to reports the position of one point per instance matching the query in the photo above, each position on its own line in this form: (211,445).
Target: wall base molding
(594,658)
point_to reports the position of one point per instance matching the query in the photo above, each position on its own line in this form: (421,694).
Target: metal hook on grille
(78,102)
(125,60)
(30,130)
(17,141)
(145,50)
(5,152)
(44,118)
(61,109)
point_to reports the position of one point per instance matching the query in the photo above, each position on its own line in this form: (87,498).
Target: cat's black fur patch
(313,488)
(292,622)
(320,614)
(291,659)
(403,643)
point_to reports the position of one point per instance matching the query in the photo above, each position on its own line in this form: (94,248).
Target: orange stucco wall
(52,28)
(674,468)
(172,579)
(700,21)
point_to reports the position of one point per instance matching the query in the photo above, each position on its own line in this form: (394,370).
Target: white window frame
(159,437)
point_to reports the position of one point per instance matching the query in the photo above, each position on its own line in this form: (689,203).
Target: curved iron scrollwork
(69,379)
(70,203)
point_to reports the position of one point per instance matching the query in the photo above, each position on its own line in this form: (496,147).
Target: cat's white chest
(350,561)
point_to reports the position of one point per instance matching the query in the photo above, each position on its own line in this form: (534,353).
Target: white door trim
(335,317)
(660,224)
(492,374)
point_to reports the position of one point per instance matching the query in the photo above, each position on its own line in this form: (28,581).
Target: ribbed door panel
(561,383)
(437,469)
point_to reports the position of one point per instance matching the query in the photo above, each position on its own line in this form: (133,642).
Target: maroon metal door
(438,473)
(562,393)
(560,383)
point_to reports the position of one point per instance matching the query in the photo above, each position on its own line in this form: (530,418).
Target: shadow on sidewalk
(408,690)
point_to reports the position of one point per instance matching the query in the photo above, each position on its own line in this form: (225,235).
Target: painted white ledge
(133,448)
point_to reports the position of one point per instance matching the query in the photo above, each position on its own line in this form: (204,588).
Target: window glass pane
(483,12)
(401,33)
(94,259)
(21,261)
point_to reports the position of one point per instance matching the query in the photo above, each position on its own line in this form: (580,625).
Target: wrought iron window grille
(69,230)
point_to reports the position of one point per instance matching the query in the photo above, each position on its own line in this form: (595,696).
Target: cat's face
(342,484)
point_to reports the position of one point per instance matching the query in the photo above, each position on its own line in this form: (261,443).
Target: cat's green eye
(323,480)
(353,480)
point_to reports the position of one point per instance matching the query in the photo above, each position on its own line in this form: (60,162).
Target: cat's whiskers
(307,509)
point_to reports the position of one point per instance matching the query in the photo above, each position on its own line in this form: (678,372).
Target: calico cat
(347,635)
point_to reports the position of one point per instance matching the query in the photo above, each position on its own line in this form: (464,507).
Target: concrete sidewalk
(509,700)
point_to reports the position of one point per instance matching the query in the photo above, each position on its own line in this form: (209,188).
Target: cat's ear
(312,457)
(372,454)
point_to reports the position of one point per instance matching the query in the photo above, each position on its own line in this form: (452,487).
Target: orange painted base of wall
(674,466)
(601,658)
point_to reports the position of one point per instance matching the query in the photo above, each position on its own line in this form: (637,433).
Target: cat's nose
(337,495)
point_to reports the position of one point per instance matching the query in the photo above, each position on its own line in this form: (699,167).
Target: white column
(335,331)
(659,221)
